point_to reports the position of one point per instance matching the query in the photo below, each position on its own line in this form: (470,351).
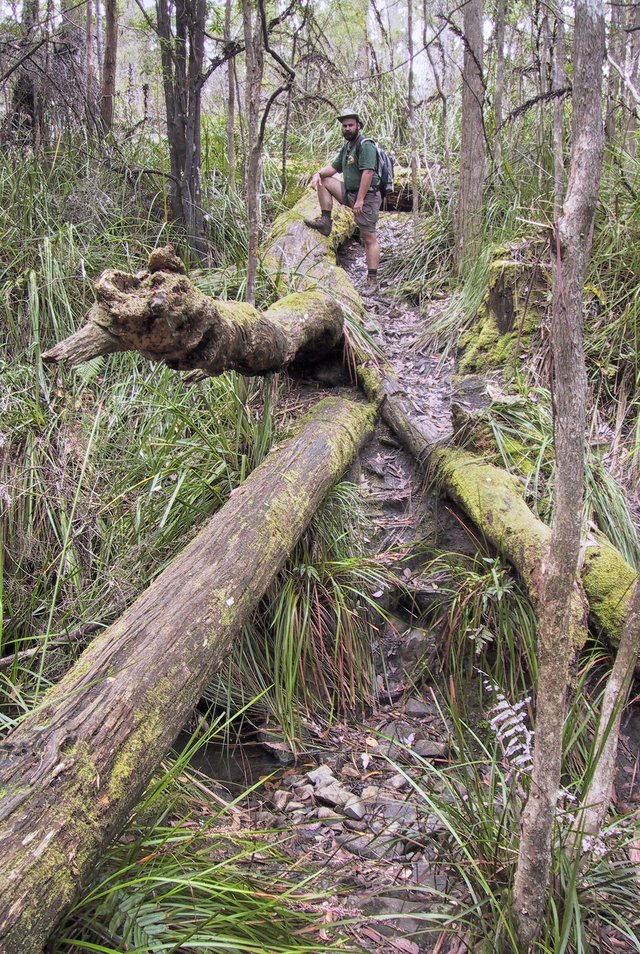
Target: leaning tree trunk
(570,392)
(598,795)
(75,768)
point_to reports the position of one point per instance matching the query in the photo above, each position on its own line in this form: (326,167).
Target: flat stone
(401,921)
(333,794)
(352,824)
(397,782)
(354,808)
(398,811)
(427,749)
(416,708)
(304,792)
(371,793)
(281,799)
(328,819)
(378,847)
(400,731)
(322,775)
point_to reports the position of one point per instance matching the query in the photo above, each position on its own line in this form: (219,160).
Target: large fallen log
(71,773)
(493,499)
(162,314)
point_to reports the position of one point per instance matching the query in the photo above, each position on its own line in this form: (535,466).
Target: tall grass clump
(484,618)
(522,431)
(107,469)
(189,873)
(309,649)
(473,808)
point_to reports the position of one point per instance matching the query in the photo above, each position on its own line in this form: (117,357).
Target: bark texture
(160,313)
(181,31)
(75,768)
(107,99)
(598,796)
(472,145)
(555,651)
(492,498)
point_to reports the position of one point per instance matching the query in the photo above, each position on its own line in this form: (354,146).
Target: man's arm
(365,182)
(322,174)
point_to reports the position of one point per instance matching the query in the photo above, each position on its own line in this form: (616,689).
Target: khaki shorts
(368,220)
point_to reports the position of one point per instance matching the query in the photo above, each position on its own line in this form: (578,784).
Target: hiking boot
(371,285)
(320,224)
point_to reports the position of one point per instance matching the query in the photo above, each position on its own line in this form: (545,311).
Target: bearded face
(350,129)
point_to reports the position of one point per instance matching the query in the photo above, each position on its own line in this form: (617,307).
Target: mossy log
(161,314)
(71,773)
(493,499)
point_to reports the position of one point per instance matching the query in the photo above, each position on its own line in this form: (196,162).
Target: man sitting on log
(360,191)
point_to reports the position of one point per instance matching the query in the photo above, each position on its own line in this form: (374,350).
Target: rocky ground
(356,810)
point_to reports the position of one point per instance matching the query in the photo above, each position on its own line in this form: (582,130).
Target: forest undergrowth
(107,470)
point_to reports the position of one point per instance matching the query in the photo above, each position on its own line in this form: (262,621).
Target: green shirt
(346,163)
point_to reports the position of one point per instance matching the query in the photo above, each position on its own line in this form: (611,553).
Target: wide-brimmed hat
(349,114)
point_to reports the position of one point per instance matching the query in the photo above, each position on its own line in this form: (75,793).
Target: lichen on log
(493,499)
(512,307)
(161,314)
(73,770)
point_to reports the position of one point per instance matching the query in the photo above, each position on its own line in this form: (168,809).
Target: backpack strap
(359,142)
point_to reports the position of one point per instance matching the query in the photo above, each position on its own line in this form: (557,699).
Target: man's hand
(316,179)
(358,206)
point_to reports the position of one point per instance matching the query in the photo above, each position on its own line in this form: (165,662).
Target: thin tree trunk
(497,103)
(440,89)
(543,141)
(75,768)
(472,147)
(634,64)
(415,199)
(616,49)
(558,119)
(109,65)
(99,43)
(554,649)
(254,54)
(598,796)
(182,55)
(231,144)
(88,61)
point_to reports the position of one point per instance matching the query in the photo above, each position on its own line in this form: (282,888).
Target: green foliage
(183,874)
(309,649)
(486,618)
(523,434)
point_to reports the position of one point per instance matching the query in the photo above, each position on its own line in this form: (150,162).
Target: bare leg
(371,249)
(329,189)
